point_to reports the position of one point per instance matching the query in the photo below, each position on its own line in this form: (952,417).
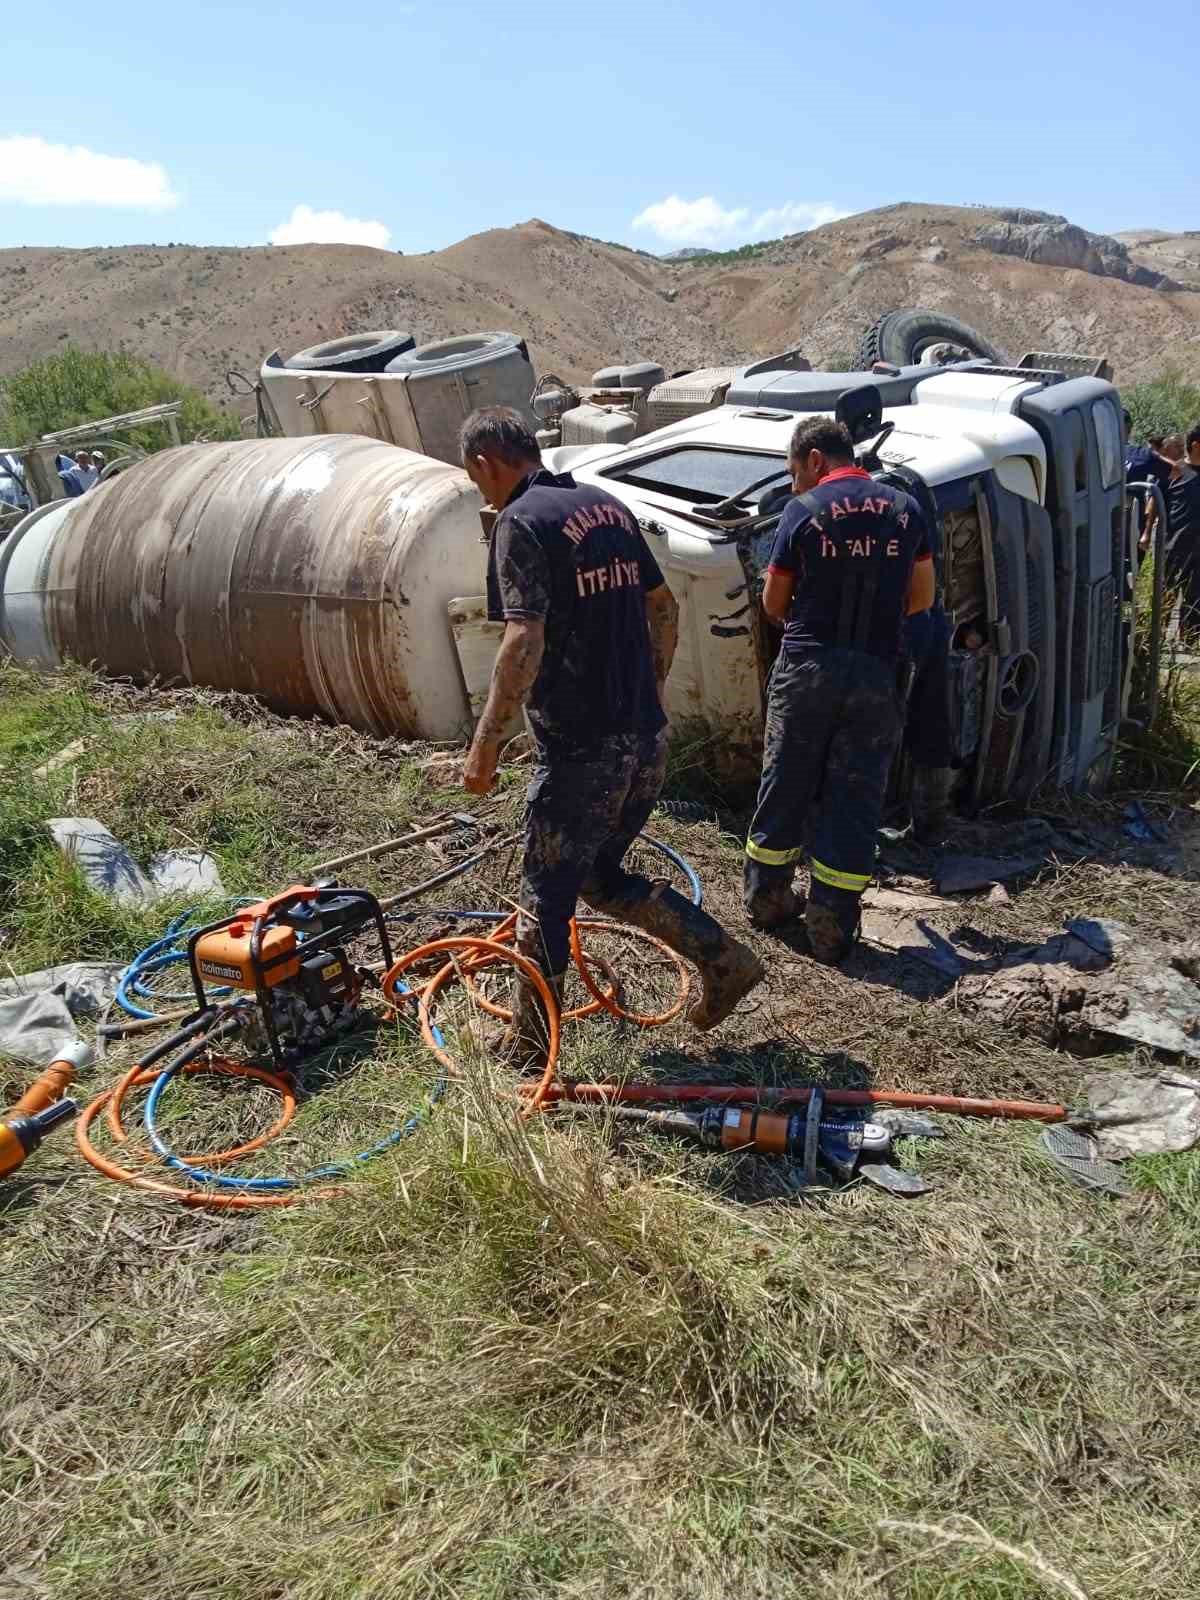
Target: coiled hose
(190,1051)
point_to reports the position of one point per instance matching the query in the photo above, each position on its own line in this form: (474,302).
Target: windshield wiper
(724,507)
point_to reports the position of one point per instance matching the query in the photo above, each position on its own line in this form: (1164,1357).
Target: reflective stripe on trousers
(833,723)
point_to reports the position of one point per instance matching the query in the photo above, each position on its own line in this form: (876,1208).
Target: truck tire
(900,337)
(466,350)
(357,352)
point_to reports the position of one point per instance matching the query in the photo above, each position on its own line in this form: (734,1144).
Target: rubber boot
(525,1040)
(831,920)
(931,788)
(768,895)
(772,908)
(728,970)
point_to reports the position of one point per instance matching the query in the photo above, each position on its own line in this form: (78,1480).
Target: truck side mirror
(861,409)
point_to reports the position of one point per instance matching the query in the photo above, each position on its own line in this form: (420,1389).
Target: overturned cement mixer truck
(338,570)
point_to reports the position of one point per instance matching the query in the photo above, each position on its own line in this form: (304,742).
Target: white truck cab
(1021,475)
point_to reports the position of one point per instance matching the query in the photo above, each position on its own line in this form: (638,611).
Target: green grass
(564,1359)
(1163,405)
(79,386)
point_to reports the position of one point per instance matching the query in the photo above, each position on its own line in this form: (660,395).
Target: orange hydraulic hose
(215,1065)
(54,1082)
(649,1019)
(745,1094)
(505,934)
(477,948)
(191,1197)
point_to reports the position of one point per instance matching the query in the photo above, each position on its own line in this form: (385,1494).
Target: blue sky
(655,123)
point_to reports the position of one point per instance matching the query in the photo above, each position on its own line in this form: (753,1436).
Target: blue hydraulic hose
(163,952)
(682,862)
(336,1169)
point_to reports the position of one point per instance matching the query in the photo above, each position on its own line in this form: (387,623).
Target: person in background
(928,736)
(69,476)
(86,471)
(98,463)
(1146,463)
(1183,529)
(590,629)
(13,492)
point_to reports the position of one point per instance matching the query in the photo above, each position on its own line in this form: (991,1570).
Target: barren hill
(1177,254)
(1024,279)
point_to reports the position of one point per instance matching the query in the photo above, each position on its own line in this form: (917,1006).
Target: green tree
(78,386)
(1167,404)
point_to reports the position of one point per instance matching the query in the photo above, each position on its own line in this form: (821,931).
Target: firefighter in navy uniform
(851,560)
(590,632)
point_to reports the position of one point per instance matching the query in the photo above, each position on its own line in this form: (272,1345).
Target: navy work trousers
(833,722)
(583,814)
(927,731)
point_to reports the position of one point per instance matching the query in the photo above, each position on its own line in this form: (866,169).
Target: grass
(568,1359)
(76,386)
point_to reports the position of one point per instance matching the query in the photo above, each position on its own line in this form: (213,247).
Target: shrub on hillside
(1168,404)
(78,386)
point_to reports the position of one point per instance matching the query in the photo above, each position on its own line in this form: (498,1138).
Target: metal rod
(166,412)
(744,1094)
(455,871)
(433,831)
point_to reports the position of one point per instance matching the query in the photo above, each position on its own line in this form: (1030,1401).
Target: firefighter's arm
(662,618)
(777,594)
(921,586)
(517,663)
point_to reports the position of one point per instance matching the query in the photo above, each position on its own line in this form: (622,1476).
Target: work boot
(931,787)
(728,970)
(772,908)
(831,920)
(524,1041)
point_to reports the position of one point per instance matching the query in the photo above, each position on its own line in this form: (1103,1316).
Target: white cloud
(306,226)
(677,221)
(34,172)
(794,216)
(707,222)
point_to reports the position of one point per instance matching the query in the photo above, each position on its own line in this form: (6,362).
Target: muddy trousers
(583,814)
(833,723)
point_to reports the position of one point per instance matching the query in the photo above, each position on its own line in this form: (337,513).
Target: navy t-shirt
(571,555)
(853,521)
(1183,514)
(1143,465)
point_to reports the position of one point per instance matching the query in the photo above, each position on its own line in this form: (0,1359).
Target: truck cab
(1021,475)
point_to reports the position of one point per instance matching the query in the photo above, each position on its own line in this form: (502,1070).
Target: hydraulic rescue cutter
(844,1147)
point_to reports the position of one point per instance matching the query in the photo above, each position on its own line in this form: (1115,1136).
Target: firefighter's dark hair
(831,438)
(499,432)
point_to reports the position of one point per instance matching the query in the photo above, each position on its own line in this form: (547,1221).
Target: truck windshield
(704,477)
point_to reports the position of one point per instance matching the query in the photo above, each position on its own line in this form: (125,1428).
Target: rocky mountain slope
(1177,254)
(1024,279)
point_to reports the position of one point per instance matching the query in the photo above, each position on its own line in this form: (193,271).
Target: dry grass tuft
(560,1358)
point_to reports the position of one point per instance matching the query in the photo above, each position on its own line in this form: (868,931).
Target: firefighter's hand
(479,769)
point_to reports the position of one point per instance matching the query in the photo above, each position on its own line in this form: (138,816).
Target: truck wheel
(357,352)
(465,350)
(901,337)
